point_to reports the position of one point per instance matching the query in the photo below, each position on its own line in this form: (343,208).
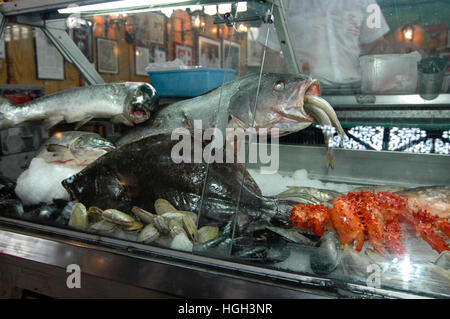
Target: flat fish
(139,173)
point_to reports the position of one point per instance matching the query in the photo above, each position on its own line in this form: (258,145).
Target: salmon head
(274,102)
(140,102)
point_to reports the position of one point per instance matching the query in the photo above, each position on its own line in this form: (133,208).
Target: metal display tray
(166,272)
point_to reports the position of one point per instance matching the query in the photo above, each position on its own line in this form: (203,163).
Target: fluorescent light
(224,8)
(210,10)
(117,5)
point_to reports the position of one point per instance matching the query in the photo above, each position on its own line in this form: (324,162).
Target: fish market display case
(365,215)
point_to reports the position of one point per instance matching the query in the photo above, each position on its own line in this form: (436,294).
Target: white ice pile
(176,64)
(274,184)
(41,182)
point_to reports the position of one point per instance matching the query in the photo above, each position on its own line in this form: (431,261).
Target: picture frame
(231,56)
(82,37)
(141,60)
(159,55)
(157,28)
(209,53)
(107,56)
(49,62)
(438,35)
(150,28)
(446,57)
(184,53)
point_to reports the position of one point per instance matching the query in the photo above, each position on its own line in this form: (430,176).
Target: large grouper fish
(126,102)
(267,100)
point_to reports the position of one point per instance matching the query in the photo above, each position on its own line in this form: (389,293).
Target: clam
(117,217)
(133,227)
(207,233)
(79,217)
(102,226)
(192,215)
(327,255)
(163,206)
(189,227)
(145,216)
(95,213)
(161,224)
(148,234)
(175,226)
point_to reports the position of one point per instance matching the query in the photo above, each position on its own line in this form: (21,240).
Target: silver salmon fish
(127,102)
(74,148)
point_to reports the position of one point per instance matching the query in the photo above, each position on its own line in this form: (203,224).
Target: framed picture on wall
(157,28)
(142,58)
(150,28)
(184,53)
(159,55)
(107,56)
(231,56)
(49,62)
(82,37)
(209,54)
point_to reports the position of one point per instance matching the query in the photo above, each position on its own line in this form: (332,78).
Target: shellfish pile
(167,227)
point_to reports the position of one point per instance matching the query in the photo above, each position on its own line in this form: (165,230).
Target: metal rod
(55,30)
(281,26)
(3,21)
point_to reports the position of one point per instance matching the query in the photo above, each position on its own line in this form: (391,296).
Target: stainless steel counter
(110,266)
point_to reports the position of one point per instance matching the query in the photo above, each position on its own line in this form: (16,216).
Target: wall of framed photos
(120,47)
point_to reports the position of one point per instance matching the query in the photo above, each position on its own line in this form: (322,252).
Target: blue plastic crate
(189,82)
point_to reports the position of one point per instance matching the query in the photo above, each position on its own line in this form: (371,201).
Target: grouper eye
(279,86)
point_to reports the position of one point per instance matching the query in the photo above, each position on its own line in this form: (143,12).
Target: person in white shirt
(328,36)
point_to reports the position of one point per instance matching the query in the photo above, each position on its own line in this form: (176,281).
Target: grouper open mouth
(298,119)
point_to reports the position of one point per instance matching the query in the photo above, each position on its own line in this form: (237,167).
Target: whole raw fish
(74,148)
(139,173)
(274,101)
(128,102)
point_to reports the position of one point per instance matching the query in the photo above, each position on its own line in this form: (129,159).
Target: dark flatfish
(139,173)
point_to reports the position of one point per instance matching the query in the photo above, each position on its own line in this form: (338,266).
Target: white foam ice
(41,182)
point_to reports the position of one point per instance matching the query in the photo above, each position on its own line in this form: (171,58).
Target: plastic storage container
(190,82)
(431,76)
(389,73)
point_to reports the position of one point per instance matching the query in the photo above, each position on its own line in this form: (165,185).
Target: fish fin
(55,148)
(52,121)
(82,122)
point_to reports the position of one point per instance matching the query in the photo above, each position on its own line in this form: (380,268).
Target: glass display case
(287,148)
